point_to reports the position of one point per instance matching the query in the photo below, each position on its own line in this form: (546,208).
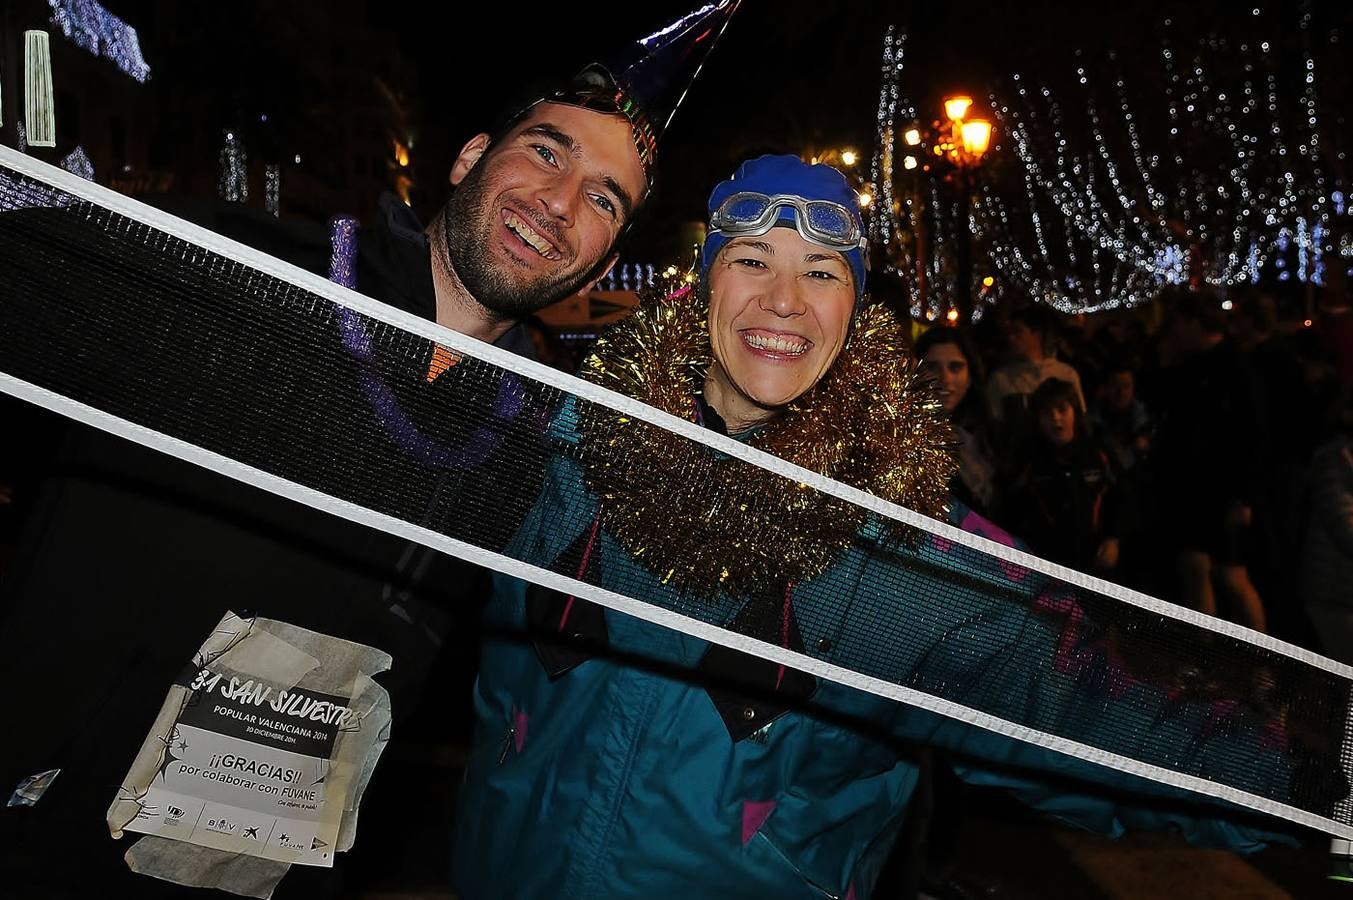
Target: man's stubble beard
(467,226)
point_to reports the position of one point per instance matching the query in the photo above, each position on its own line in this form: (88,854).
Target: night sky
(788,76)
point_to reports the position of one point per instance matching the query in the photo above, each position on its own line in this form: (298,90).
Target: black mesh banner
(130,320)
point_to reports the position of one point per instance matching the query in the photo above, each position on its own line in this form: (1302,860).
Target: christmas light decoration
(39,111)
(892,107)
(233,182)
(91,27)
(1238,181)
(272,189)
(77,163)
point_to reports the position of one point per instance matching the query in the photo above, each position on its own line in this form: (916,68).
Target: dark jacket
(625,764)
(1065,502)
(132,557)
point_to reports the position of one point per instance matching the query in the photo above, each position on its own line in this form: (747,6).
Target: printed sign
(246,769)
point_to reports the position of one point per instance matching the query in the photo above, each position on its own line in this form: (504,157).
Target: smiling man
(535,215)
(537,212)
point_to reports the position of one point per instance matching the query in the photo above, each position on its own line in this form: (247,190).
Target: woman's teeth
(783,344)
(531,237)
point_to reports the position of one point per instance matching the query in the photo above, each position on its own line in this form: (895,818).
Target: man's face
(1024,341)
(1058,423)
(1120,390)
(534,216)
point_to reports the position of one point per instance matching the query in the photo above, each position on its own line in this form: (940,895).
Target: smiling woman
(784,272)
(615,758)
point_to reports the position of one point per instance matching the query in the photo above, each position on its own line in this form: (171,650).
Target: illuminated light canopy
(909,162)
(957,107)
(911,137)
(1239,186)
(91,27)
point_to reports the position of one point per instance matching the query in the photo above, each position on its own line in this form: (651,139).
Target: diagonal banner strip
(204,349)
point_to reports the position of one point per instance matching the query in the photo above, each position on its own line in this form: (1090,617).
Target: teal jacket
(620,777)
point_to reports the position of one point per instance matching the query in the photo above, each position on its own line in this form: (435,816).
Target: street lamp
(957,147)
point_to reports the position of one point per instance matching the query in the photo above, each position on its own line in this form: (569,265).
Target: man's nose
(559,198)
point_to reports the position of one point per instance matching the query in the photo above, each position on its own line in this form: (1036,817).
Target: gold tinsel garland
(708,523)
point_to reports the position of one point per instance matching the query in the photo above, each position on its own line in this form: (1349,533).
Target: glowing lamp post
(950,150)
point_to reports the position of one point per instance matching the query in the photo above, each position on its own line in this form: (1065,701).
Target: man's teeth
(531,237)
(787,344)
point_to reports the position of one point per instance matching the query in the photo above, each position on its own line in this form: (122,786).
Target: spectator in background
(1065,502)
(1334,324)
(1118,419)
(1011,384)
(1327,563)
(952,360)
(1207,458)
(1293,421)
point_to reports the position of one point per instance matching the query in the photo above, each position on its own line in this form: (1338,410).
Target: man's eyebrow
(626,201)
(562,138)
(823,257)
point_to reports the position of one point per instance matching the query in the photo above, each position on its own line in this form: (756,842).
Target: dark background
(339,80)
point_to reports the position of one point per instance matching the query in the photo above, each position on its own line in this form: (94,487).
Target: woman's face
(779,310)
(950,368)
(1058,423)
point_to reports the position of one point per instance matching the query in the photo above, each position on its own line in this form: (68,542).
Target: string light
(233,181)
(272,190)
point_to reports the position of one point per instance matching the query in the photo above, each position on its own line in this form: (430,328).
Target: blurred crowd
(1200,452)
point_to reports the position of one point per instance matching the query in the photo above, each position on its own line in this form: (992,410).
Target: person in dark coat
(1065,502)
(1206,465)
(132,557)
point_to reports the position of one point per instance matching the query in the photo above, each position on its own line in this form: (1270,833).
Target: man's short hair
(1034,317)
(1053,393)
